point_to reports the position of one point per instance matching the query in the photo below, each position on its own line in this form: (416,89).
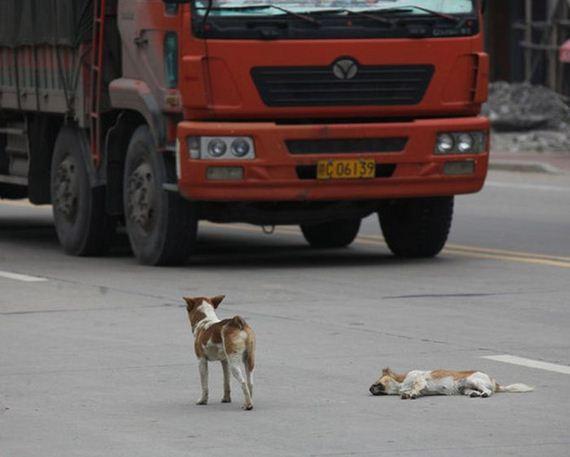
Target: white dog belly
(442,386)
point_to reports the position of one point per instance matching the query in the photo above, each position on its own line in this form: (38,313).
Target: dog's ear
(217,300)
(191,302)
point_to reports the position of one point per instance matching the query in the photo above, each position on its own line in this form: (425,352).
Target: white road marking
(19,277)
(506,185)
(21,203)
(513,360)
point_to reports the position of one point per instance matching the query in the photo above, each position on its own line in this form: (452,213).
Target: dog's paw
(405,396)
(247,407)
(226,400)
(202,402)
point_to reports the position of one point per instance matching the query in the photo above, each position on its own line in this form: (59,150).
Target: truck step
(18,180)
(17,149)
(12,131)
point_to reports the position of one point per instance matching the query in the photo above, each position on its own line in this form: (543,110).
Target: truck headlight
(220,148)
(240,147)
(217,148)
(465,143)
(445,143)
(460,143)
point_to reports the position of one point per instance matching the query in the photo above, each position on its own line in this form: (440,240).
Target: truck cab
(311,113)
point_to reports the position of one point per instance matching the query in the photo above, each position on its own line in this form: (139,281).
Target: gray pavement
(97,359)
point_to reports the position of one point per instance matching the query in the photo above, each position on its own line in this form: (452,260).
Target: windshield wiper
(304,17)
(410,8)
(365,14)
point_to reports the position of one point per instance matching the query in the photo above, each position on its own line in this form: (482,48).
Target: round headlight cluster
(445,143)
(228,148)
(460,143)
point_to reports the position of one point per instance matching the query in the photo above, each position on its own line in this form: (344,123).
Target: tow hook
(268,229)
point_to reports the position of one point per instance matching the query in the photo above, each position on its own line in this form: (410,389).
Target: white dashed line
(513,360)
(19,277)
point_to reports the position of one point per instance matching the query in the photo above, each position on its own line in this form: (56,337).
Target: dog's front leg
(415,391)
(204,380)
(227,394)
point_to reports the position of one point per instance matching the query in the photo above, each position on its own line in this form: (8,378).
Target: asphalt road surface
(96,355)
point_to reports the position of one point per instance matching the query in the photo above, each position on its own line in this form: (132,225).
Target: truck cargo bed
(42,53)
(40,78)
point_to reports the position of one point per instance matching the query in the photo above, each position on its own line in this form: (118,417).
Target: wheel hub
(140,197)
(66,198)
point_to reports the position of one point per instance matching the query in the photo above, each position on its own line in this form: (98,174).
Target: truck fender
(135,95)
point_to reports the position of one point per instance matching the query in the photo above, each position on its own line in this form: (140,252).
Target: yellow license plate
(346,169)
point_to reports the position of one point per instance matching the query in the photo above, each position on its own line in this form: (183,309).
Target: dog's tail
(238,322)
(514,388)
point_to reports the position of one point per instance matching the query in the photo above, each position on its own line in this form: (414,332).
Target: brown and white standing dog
(229,341)
(417,384)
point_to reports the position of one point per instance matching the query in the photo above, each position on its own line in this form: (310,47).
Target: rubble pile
(528,118)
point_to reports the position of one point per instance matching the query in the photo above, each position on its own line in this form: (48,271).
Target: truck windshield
(277,7)
(325,19)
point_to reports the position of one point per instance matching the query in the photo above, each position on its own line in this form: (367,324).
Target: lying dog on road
(229,341)
(417,384)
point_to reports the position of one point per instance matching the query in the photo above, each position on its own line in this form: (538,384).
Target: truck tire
(334,234)
(417,228)
(83,228)
(161,225)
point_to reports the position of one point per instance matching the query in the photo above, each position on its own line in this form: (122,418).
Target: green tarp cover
(34,22)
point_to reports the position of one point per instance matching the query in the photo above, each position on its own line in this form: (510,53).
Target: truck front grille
(384,85)
(346,146)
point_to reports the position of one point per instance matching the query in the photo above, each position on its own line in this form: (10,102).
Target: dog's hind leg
(481,384)
(249,376)
(227,390)
(486,392)
(204,380)
(234,361)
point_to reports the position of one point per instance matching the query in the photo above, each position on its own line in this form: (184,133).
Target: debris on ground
(528,118)
(533,141)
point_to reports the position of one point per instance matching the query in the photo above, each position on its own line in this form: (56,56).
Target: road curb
(524,167)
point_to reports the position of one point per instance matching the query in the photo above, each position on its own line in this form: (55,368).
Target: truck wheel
(162,226)
(82,226)
(334,234)
(417,228)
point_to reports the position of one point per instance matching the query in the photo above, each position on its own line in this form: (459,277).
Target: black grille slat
(317,86)
(350,90)
(344,101)
(347,145)
(336,82)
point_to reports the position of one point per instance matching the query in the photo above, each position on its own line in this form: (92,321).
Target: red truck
(154,115)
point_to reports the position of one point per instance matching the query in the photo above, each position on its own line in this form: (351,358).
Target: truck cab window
(171,9)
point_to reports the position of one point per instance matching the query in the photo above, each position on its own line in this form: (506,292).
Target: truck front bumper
(276,174)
